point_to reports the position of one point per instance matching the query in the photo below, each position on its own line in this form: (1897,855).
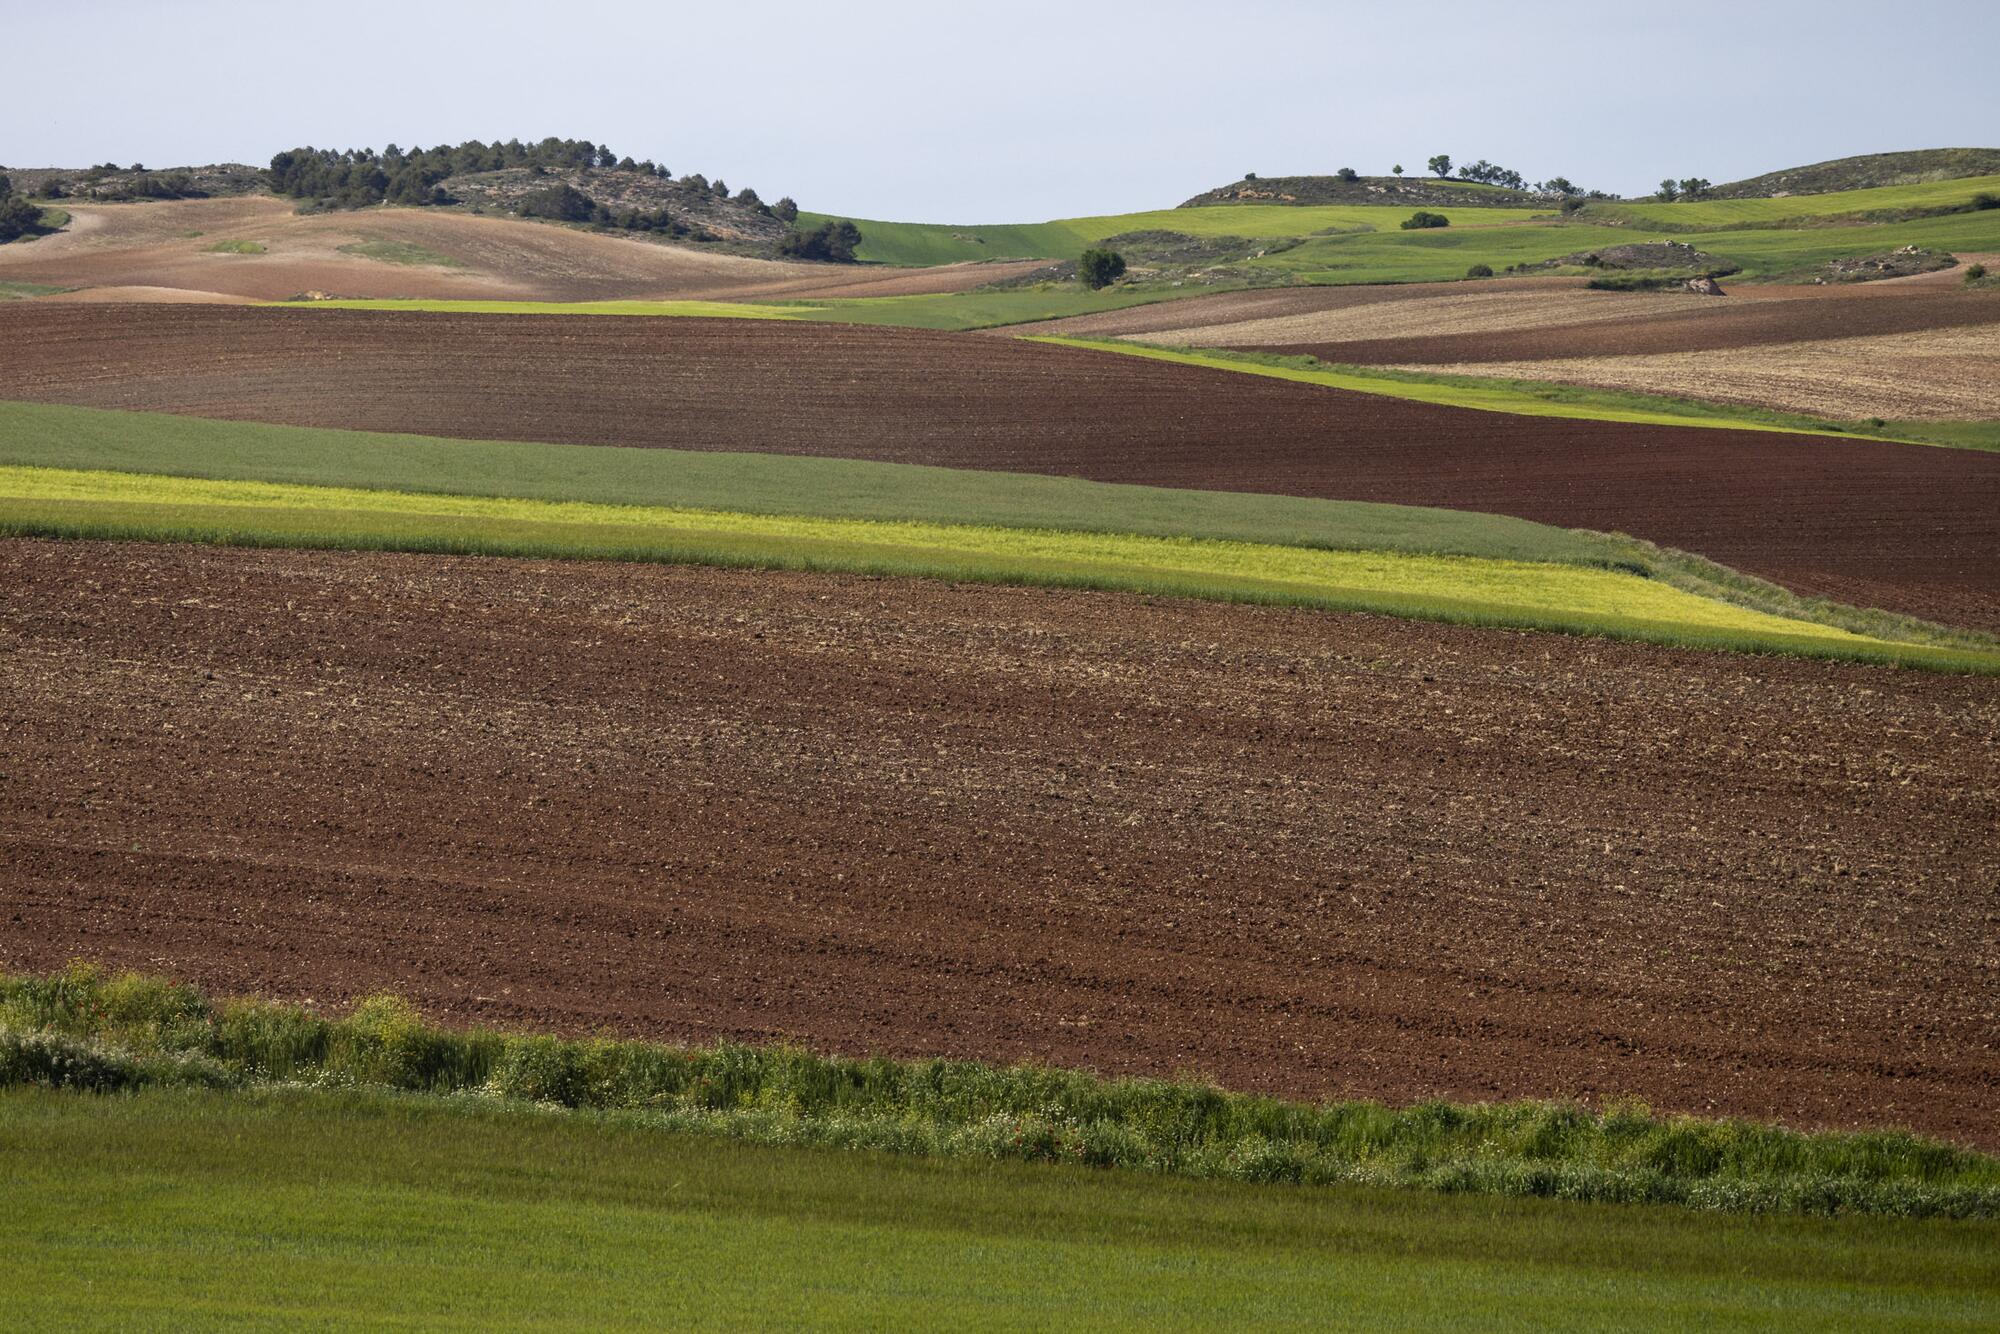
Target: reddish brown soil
(1910,528)
(1319,855)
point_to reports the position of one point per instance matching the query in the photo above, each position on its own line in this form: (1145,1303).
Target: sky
(952,112)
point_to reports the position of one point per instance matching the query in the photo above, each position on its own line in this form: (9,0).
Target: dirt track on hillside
(166,249)
(1911,528)
(1319,855)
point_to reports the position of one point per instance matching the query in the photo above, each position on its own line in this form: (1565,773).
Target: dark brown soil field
(1906,527)
(1320,855)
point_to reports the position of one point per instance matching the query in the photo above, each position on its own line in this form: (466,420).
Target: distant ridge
(1361,190)
(1866,172)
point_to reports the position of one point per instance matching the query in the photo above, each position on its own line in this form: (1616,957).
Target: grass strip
(88,1030)
(292,1207)
(1462,590)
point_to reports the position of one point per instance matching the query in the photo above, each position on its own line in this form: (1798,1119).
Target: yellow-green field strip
(1473,590)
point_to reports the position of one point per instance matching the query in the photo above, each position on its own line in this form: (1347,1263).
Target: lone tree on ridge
(1100,268)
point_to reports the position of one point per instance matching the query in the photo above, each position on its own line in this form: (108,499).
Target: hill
(1869,171)
(1362,190)
(110,183)
(260,248)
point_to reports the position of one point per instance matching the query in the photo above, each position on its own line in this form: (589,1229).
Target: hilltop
(1868,171)
(1361,190)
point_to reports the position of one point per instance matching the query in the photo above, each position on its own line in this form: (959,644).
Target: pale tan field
(166,251)
(1938,375)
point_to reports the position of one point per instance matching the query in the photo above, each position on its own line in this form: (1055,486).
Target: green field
(166,1158)
(168,1208)
(236,248)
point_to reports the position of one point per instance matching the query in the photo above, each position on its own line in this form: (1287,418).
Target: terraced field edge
(88,1030)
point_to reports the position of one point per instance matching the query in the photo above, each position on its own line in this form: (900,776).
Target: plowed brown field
(1910,528)
(158,252)
(1320,855)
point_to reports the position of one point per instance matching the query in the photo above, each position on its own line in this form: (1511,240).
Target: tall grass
(83,1028)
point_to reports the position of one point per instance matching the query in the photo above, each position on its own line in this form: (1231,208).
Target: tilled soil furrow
(1319,855)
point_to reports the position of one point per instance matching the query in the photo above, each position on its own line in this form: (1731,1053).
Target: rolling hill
(1867,171)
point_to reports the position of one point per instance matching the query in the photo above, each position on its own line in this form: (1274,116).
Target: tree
(1249,175)
(1099,269)
(1348,174)
(1694,187)
(1440,166)
(786,210)
(1398,169)
(17,216)
(1420,220)
(564,203)
(1669,190)
(1558,185)
(720,189)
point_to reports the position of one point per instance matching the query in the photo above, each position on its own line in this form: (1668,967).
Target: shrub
(1348,174)
(1421,220)
(786,210)
(1100,268)
(1974,272)
(1980,202)
(1480,271)
(834,242)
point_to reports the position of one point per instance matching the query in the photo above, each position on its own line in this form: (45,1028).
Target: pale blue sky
(986,113)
